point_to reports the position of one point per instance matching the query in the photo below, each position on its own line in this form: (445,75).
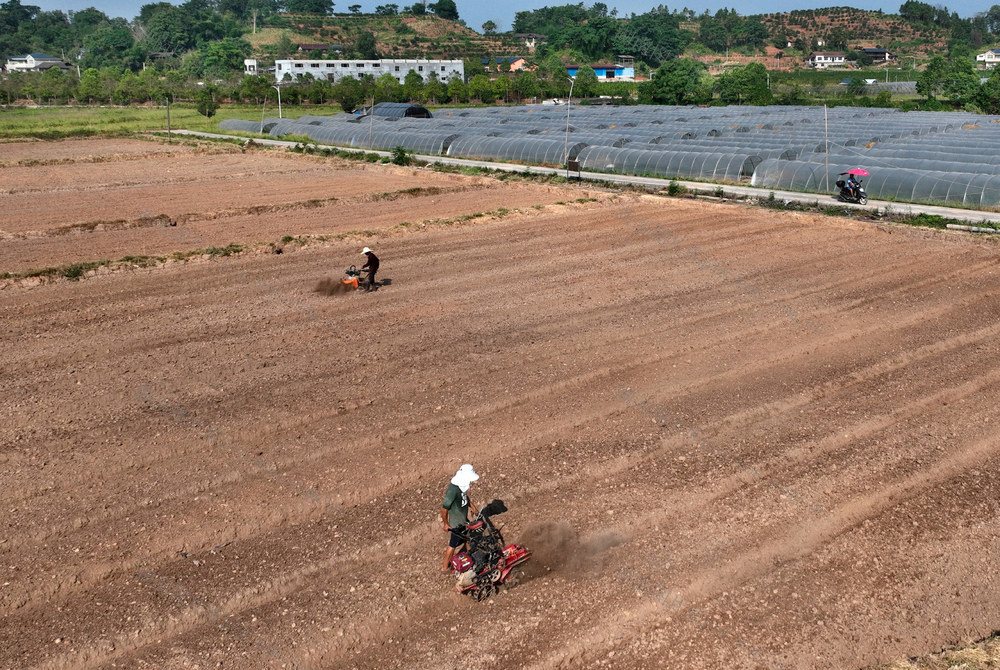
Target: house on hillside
(988,58)
(530,40)
(824,59)
(878,55)
(516,63)
(37,62)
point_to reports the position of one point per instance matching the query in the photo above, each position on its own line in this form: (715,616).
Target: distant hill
(400,36)
(846,27)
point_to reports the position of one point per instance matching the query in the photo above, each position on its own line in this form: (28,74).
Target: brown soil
(90,149)
(213,465)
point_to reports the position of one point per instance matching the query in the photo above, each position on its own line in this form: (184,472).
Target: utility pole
(569,103)
(169,140)
(278,89)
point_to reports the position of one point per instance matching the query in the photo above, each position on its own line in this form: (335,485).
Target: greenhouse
(961,188)
(914,156)
(520,149)
(685,165)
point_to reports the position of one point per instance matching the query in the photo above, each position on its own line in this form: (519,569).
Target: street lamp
(569,103)
(278,89)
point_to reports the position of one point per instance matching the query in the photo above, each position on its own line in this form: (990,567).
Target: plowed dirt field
(732,437)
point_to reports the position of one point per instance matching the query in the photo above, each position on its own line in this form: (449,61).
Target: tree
(417,9)
(108,45)
(147,12)
(129,89)
(458,91)
(988,95)
(349,93)
(254,87)
(489,28)
(993,20)
(354,9)
(387,10)
(323,7)
(446,9)
(434,90)
(413,86)
(526,85)
(366,46)
(961,84)
(553,77)
(283,47)
(586,82)
(933,77)
(54,85)
(917,12)
(481,88)
(90,87)
(205,102)
(388,89)
(169,29)
(501,88)
(13,14)
(681,81)
(220,58)
(744,85)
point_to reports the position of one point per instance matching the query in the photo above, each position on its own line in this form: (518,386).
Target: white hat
(366,250)
(464,477)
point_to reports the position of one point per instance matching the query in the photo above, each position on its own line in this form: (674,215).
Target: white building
(824,59)
(989,58)
(333,70)
(35,63)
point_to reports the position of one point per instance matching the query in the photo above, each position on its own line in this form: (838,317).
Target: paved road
(971,216)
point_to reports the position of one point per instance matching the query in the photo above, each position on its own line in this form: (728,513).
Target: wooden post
(168,121)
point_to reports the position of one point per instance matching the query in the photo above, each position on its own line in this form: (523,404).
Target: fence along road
(701,188)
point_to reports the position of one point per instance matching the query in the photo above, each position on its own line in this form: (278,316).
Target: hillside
(850,27)
(401,36)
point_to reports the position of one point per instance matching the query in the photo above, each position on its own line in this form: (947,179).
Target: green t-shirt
(457,504)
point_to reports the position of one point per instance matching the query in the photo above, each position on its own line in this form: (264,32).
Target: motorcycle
(859,196)
(487,563)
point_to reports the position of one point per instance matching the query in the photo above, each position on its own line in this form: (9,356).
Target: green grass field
(57,122)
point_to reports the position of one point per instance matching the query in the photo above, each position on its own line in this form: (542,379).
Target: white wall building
(333,70)
(989,58)
(824,59)
(35,63)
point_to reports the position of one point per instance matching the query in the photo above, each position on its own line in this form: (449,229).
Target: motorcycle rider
(852,186)
(455,510)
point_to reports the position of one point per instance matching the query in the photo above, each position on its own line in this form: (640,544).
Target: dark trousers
(371,280)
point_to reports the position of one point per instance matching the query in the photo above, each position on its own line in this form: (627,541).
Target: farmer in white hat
(455,510)
(372,266)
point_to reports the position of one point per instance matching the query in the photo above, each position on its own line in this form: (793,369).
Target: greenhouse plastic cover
(942,157)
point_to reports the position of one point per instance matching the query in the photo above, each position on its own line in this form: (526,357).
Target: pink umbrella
(858,171)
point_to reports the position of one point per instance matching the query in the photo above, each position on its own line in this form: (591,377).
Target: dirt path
(210,465)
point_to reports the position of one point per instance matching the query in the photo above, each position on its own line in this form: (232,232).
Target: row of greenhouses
(941,157)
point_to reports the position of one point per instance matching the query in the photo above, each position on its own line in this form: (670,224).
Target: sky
(477,12)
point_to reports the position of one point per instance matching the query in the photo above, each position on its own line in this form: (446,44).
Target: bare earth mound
(733,438)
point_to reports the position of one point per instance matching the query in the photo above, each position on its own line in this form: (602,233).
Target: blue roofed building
(620,71)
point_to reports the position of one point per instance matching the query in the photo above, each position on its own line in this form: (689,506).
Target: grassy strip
(888,214)
(54,123)
(74,271)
